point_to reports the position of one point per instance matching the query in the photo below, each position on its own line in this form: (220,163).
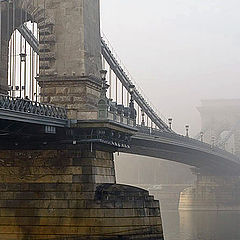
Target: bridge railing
(27,106)
(124,78)
(115,113)
(184,140)
(120,119)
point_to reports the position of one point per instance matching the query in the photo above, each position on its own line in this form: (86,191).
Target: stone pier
(217,193)
(71,194)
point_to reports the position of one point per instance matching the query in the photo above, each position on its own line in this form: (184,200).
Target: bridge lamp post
(105,86)
(213,141)
(131,90)
(187,130)
(103,103)
(133,113)
(23,57)
(103,74)
(170,120)
(201,136)
(143,118)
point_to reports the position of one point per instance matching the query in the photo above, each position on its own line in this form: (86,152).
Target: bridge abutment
(59,194)
(217,193)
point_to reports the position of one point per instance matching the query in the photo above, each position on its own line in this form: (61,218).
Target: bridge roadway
(178,148)
(146,142)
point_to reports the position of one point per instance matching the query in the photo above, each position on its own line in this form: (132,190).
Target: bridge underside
(207,163)
(19,135)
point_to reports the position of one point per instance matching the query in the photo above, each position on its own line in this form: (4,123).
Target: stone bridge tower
(216,191)
(58,189)
(70,50)
(219,117)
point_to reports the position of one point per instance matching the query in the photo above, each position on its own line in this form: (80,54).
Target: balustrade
(31,107)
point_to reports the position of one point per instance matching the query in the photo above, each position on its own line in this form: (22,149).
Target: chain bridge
(66,105)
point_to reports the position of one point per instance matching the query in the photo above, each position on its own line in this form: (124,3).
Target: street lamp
(131,104)
(187,130)
(131,90)
(23,57)
(170,120)
(201,136)
(213,141)
(143,118)
(103,74)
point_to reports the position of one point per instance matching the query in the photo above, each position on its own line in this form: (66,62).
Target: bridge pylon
(215,189)
(69,51)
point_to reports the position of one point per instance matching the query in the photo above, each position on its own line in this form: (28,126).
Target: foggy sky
(179,51)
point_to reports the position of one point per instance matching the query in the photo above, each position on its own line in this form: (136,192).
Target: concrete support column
(212,193)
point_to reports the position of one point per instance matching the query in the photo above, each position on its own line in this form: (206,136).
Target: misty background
(178,51)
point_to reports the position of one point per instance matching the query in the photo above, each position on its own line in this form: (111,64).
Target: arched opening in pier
(26,47)
(23,63)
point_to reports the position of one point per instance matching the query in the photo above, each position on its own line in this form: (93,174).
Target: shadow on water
(197,225)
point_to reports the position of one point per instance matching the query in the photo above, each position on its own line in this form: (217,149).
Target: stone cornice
(62,80)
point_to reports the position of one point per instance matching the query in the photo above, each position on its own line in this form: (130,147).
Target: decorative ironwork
(27,106)
(103,135)
(127,83)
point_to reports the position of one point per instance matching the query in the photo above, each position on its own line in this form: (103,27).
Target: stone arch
(35,11)
(47,39)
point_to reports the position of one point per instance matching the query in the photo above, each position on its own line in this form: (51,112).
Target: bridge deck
(178,148)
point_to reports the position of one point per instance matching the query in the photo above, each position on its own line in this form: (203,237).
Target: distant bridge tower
(221,123)
(215,190)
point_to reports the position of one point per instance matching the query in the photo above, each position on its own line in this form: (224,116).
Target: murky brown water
(207,225)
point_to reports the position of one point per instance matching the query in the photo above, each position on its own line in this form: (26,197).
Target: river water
(197,225)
